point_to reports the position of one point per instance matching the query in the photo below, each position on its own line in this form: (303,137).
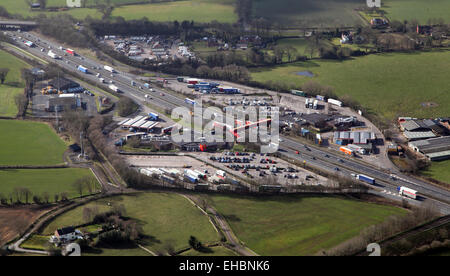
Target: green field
(29,143)
(38,181)
(297,225)
(197,10)
(13,84)
(439,171)
(309,13)
(417,9)
(164,217)
(390,85)
(36,242)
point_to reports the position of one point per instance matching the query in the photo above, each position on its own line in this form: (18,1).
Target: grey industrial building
(434,149)
(353,137)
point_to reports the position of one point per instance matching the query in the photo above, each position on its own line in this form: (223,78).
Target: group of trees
(117,229)
(243,9)
(23,195)
(388,228)
(126,106)
(85,183)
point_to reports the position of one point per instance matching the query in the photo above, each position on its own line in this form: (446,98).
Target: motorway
(386,183)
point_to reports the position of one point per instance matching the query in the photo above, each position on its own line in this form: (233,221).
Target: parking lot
(263,169)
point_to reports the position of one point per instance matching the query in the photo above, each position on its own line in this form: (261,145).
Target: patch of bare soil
(15,220)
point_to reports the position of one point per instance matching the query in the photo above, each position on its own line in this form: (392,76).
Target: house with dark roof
(66,234)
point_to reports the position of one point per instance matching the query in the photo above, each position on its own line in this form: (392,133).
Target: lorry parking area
(262,169)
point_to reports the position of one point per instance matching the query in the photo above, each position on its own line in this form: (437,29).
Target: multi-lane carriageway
(316,157)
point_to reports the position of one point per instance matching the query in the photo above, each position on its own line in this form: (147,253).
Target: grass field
(36,242)
(439,171)
(390,85)
(13,84)
(197,10)
(296,225)
(309,13)
(417,9)
(38,181)
(29,143)
(164,217)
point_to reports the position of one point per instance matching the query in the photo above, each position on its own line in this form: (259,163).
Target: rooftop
(415,135)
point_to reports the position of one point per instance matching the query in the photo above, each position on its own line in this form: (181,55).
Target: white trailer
(114,88)
(109,69)
(335,102)
(404,191)
(53,55)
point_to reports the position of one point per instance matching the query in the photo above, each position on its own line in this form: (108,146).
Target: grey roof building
(434,148)
(417,135)
(355,137)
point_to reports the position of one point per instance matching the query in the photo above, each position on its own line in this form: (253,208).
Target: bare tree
(3,73)
(78,185)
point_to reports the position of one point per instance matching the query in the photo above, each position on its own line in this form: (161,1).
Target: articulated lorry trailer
(365,178)
(109,69)
(82,69)
(114,88)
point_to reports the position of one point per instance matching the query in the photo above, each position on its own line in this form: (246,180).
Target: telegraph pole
(81,141)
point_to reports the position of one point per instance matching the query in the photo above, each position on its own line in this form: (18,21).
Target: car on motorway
(336,169)
(161,94)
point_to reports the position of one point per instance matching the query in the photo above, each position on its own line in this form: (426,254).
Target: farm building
(353,137)
(416,129)
(434,149)
(418,135)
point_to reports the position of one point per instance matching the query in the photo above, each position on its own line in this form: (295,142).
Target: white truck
(53,55)
(114,88)
(404,191)
(109,69)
